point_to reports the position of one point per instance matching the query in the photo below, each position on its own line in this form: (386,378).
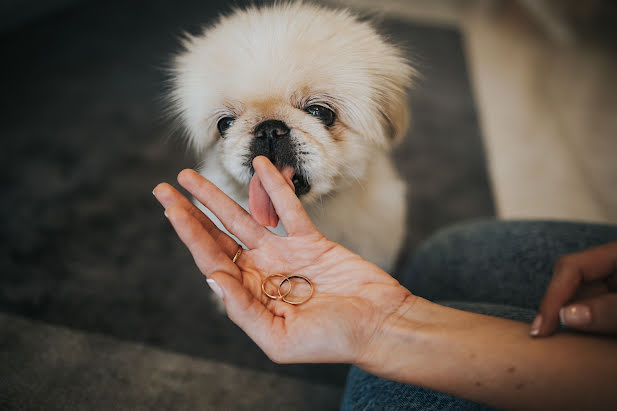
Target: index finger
(286,203)
(235,218)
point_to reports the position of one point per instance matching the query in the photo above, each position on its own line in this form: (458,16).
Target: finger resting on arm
(597,314)
(169,196)
(571,271)
(235,218)
(206,252)
(565,281)
(286,203)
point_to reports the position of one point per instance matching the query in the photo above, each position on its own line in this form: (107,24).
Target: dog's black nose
(271,129)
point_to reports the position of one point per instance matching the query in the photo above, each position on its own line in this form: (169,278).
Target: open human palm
(352,299)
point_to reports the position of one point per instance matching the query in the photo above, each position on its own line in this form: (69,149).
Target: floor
(547,104)
(100,372)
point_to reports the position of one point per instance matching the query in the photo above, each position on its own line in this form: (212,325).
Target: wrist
(402,331)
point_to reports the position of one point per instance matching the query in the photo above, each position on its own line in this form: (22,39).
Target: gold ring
(274,297)
(237,254)
(287,279)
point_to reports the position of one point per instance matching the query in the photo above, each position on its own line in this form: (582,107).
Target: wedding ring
(274,297)
(288,279)
(237,254)
(282,296)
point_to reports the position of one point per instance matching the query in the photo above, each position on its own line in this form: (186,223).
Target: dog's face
(310,88)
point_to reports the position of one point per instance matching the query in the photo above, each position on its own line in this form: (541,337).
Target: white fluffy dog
(321,94)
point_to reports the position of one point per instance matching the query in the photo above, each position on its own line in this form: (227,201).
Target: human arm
(361,315)
(493,361)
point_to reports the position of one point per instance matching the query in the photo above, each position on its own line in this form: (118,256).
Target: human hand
(352,299)
(582,293)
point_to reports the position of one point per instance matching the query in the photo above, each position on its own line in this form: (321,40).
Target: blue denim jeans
(488,267)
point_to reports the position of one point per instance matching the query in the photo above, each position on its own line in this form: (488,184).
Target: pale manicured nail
(215,287)
(575,315)
(535,325)
(165,212)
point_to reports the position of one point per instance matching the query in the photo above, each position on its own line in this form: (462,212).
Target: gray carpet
(84,244)
(95,372)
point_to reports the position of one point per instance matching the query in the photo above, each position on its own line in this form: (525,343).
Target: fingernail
(215,287)
(575,315)
(165,212)
(535,325)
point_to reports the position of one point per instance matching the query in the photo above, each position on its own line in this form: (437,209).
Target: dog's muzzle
(271,139)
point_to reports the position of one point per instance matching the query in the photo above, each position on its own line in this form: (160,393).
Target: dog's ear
(189,96)
(394,107)
(395,117)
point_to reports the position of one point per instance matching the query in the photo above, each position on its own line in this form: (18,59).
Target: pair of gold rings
(286,279)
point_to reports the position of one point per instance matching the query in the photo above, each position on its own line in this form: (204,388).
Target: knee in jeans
(456,243)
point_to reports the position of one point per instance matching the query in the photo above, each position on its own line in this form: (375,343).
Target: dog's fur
(272,63)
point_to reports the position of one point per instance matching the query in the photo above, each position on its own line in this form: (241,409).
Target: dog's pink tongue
(260,205)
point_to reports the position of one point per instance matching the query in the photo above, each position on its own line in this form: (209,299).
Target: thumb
(246,311)
(598,314)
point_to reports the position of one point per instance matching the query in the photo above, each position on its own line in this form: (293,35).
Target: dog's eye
(224,124)
(326,115)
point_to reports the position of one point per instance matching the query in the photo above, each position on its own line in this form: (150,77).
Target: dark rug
(85,245)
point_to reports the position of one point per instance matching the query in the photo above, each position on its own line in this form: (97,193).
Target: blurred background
(514,116)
